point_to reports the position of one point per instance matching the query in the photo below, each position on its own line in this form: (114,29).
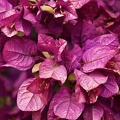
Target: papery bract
(114,4)
(45,43)
(115,27)
(80,93)
(54,26)
(79,3)
(40,28)
(71,58)
(110,87)
(107,39)
(44,113)
(108,115)
(39,86)
(28,101)
(7,13)
(93,112)
(68,8)
(13,2)
(94,94)
(48,69)
(26,3)
(23,26)
(92,7)
(36,115)
(87,34)
(81,33)
(29,16)
(35,87)
(18,53)
(60,46)
(64,104)
(97,57)
(7,18)
(6,5)
(9,32)
(90,81)
(53,47)
(114,63)
(76,62)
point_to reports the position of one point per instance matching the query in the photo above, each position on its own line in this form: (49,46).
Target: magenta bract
(63,56)
(49,69)
(19,53)
(28,101)
(97,57)
(90,81)
(64,105)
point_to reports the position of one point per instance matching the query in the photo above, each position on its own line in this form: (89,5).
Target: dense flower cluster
(63,56)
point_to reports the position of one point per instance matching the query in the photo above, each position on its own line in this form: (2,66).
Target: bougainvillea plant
(59,59)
